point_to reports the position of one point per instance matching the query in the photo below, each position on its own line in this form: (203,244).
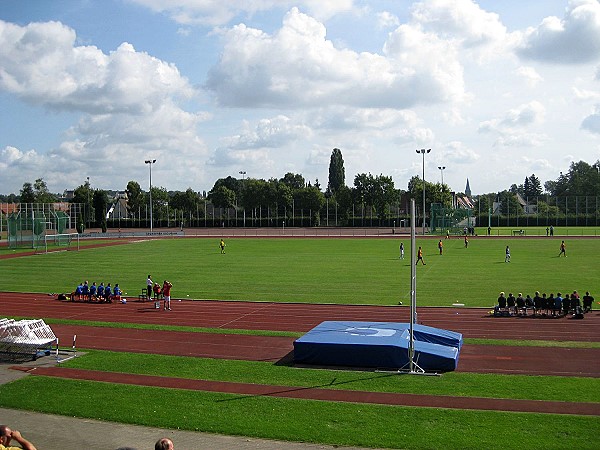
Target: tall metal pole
(413,284)
(150,162)
(88,202)
(423,151)
(442,170)
(243,174)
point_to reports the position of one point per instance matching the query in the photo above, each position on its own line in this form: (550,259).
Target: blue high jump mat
(378,345)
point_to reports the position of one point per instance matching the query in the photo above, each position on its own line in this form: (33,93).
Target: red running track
(303,317)
(299,317)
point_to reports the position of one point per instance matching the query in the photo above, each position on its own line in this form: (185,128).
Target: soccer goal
(60,240)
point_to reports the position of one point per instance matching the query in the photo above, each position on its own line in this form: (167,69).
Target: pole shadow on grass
(288,360)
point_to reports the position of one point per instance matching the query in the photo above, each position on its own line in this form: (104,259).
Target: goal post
(61,240)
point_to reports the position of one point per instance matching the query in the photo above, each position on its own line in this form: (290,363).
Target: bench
(518,232)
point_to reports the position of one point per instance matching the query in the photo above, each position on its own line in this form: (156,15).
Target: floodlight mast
(150,162)
(423,152)
(413,287)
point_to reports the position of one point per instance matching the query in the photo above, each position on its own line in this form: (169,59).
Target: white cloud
(586,94)
(360,119)
(457,153)
(572,40)
(460,19)
(592,122)
(219,12)
(512,130)
(41,64)
(530,75)
(386,19)
(270,133)
(128,101)
(298,67)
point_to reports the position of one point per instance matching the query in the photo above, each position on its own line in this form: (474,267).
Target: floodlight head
(428,150)
(150,161)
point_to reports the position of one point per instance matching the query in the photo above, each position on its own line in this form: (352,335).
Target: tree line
(292,196)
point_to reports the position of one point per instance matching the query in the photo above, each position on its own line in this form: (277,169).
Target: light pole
(243,174)
(442,170)
(150,162)
(423,151)
(88,202)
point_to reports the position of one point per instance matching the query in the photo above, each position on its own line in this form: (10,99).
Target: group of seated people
(543,305)
(97,293)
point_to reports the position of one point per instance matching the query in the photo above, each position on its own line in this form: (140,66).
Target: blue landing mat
(378,345)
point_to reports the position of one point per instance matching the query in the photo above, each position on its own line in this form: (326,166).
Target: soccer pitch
(320,270)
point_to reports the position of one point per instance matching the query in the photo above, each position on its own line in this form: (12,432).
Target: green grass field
(344,271)
(357,271)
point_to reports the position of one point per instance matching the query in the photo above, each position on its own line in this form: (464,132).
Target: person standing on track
(149,284)
(166,289)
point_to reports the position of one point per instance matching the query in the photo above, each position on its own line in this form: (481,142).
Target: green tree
(233,184)
(222,197)
(160,200)
(42,194)
(310,198)
(187,201)
(135,198)
(337,173)
(26,194)
(83,194)
(293,180)
(100,204)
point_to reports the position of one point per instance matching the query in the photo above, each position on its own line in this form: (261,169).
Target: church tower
(468,189)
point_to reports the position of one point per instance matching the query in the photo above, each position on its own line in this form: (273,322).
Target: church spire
(468,189)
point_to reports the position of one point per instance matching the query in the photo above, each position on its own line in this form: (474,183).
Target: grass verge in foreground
(453,383)
(302,420)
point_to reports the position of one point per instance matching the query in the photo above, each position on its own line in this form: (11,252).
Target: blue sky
(497,90)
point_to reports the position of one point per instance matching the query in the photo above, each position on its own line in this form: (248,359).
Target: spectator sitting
(107,293)
(502,301)
(85,291)
(78,292)
(566,304)
(164,444)
(117,293)
(549,306)
(575,303)
(93,290)
(521,305)
(510,303)
(528,304)
(588,300)
(157,290)
(101,291)
(557,308)
(537,303)
(7,435)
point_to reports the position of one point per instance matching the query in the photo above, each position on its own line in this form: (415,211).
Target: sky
(498,90)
